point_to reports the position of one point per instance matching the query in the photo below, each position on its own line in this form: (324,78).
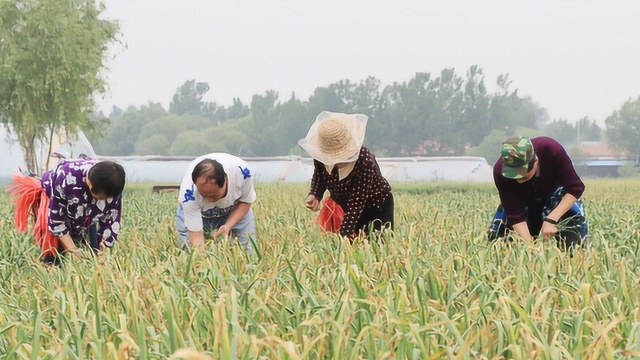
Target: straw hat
(335,137)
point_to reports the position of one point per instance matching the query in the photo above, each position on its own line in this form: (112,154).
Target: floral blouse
(362,189)
(72,209)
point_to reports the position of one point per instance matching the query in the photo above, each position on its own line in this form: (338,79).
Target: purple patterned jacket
(72,209)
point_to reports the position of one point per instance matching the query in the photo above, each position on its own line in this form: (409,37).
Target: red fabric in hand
(30,200)
(330,216)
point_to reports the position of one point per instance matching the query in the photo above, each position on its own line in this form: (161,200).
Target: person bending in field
(350,172)
(79,202)
(215,200)
(540,192)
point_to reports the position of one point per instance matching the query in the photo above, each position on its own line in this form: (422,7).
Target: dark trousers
(90,239)
(378,217)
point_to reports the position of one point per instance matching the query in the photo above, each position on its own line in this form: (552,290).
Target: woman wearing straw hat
(80,198)
(350,172)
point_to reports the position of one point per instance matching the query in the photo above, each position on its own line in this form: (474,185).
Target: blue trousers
(243,230)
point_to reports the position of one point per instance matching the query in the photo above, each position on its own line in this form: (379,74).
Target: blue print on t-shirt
(245,172)
(188,195)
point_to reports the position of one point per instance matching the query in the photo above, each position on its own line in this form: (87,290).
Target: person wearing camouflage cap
(540,192)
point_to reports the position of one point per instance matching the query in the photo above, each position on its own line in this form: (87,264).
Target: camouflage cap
(517,153)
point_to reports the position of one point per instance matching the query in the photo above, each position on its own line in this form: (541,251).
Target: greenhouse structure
(170,169)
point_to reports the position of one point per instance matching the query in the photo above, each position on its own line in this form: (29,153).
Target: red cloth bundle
(330,216)
(30,200)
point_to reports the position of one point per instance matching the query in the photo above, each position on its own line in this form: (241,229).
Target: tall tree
(489,148)
(561,131)
(508,111)
(403,127)
(588,130)
(262,131)
(167,128)
(337,97)
(125,130)
(475,110)
(448,118)
(365,97)
(292,125)
(237,110)
(623,128)
(188,99)
(51,55)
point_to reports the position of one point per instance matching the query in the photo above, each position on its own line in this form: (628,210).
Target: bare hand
(77,253)
(221,231)
(548,230)
(198,245)
(312,203)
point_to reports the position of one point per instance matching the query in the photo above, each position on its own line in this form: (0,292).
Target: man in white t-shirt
(215,200)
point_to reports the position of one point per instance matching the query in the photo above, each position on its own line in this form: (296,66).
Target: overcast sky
(575,58)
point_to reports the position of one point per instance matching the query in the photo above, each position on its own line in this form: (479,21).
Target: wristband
(551,221)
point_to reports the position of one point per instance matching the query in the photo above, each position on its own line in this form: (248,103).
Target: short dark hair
(212,169)
(107,177)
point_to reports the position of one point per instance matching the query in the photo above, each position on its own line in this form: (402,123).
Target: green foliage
(291,121)
(194,122)
(489,148)
(562,131)
(629,170)
(195,143)
(229,138)
(623,127)
(588,130)
(261,131)
(508,110)
(167,126)
(237,111)
(407,108)
(51,56)
(188,100)
(572,134)
(156,144)
(125,130)
(427,115)
(576,155)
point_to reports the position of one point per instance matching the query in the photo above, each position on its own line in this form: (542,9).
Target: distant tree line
(52,56)
(426,116)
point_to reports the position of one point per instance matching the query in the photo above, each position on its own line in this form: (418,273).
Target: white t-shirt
(239,188)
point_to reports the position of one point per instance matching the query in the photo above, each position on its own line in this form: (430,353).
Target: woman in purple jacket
(78,202)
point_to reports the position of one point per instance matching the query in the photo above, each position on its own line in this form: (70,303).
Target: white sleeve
(192,216)
(188,198)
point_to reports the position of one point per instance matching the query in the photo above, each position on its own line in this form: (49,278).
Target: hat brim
(356,125)
(514,172)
